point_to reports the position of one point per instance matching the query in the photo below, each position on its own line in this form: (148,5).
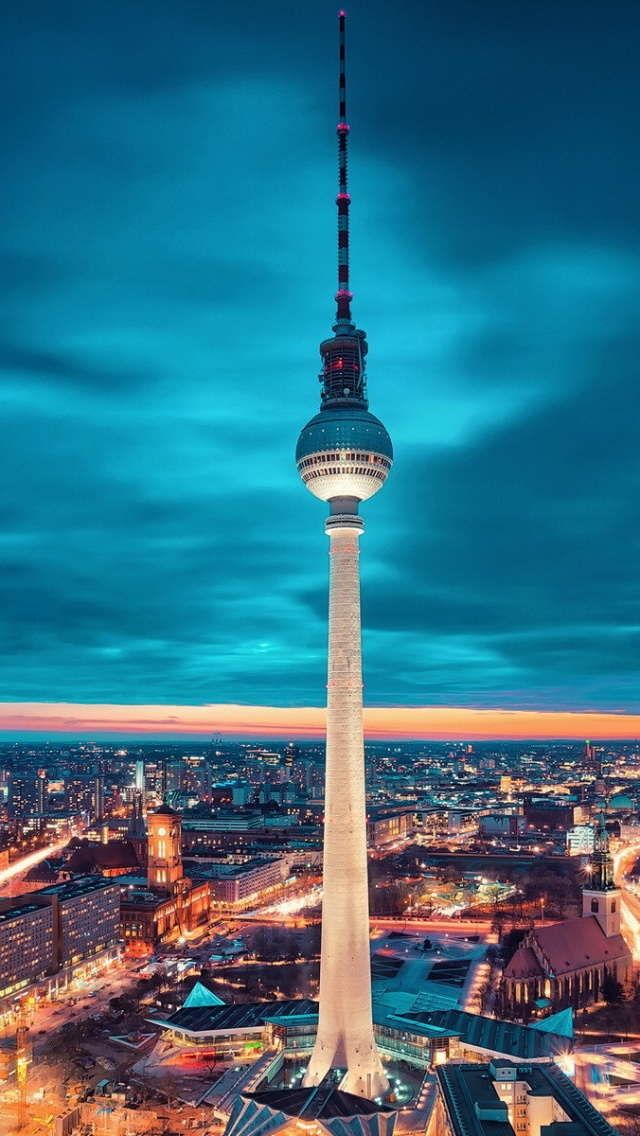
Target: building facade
(567,964)
(26,946)
(54,933)
(513,1099)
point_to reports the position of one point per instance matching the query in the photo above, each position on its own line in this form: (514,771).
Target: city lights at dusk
(303,832)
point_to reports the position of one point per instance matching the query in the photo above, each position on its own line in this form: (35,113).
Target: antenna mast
(343,357)
(343,200)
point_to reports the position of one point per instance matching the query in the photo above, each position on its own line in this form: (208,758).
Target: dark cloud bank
(166,251)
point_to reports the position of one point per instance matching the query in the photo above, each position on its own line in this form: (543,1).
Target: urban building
(422,1039)
(26,946)
(80,794)
(388,826)
(113,858)
(566,964)
(240,884)
(86,919)
(52,935)
(165,901)
(23,796)
(503,1098)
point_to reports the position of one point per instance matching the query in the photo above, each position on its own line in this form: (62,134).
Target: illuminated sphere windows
(344,452)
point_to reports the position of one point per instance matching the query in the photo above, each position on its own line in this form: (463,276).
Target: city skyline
(167,251)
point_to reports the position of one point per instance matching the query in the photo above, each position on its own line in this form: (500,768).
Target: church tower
(164,848)
(137,832)
(601,897)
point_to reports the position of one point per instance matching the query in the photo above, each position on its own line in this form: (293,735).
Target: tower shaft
(345,1029)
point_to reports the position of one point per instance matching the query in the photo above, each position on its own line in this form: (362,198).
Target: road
(12,878)
(456,928)
(623,861)
(45,1017)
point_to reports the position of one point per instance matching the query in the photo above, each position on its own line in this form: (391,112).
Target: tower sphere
(344,452)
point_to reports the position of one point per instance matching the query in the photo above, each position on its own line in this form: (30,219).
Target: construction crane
(21,1064)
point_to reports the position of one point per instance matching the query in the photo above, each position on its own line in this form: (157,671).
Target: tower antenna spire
(343,297)
(344,456)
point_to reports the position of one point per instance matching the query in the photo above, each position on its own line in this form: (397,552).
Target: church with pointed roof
(566,964)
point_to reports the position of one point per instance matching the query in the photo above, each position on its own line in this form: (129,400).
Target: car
(92,994)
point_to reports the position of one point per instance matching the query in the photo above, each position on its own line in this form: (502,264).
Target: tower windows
(595,906)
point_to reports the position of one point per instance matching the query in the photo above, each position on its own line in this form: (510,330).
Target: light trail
(291,906)
(629,905)
(29,861)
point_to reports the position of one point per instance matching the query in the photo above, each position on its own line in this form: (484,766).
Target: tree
(211,1063)
(510,942)
(612,991)
(498,922)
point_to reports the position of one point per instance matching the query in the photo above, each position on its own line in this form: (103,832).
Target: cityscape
(161,914)
(295,844)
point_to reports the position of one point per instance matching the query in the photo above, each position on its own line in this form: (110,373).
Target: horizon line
(247,722)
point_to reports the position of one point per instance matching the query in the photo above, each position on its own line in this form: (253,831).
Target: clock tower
(164,833)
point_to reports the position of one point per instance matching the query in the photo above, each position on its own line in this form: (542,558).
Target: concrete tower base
(345,1028)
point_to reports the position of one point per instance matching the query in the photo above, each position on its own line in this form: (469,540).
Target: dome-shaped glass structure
(352,429)
(344,453)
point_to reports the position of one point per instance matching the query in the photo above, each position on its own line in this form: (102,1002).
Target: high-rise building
(79,794)
(344,455)
(42,785)
(98,796)
(139,783)
(292,755)
(23,795)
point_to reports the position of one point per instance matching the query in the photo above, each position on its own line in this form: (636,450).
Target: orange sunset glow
(236,721)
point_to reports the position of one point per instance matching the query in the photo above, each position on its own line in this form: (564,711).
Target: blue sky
(167,247)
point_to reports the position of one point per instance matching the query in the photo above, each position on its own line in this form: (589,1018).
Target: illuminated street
(15,873)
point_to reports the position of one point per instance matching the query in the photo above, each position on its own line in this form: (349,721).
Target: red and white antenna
(343,357)
(343,200)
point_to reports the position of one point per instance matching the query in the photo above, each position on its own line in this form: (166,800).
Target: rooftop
(575,944)
(19,910)
(490,1034)
(474,1107)
(250,1015)
(75,888)
(318,1102)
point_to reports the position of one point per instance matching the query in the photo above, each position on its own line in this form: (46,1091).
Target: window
(613,906)
(595,906)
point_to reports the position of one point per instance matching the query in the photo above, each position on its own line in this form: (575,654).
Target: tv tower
(344,455)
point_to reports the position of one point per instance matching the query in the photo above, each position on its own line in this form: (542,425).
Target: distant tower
(136,830)
(98,796)
(42,786)
(601,897)
(164,848)
(139,784)
(344,455)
